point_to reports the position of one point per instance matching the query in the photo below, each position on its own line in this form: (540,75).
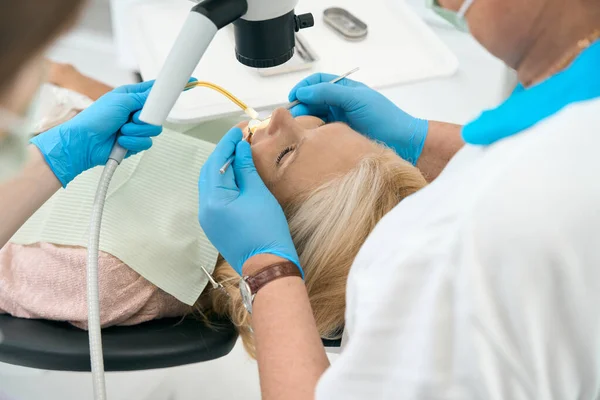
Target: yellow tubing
(248,110)
(254,124)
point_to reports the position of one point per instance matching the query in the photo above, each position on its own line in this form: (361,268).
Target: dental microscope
(264,33)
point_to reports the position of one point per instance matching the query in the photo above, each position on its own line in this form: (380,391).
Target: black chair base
(332,343)
(157,344)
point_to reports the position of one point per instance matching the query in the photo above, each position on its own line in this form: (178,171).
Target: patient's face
(293,155)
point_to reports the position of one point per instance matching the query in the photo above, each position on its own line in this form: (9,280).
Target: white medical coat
(485,284)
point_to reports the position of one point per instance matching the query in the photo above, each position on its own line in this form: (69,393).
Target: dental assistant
(55,157)
(485,284)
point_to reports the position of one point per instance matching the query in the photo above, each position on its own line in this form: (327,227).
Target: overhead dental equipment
(264,33)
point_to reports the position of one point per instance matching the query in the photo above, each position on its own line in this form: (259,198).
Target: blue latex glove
(364,110)
(86,140)
(237,212)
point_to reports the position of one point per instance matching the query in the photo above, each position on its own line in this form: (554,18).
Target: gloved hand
(86,140)
(237,212)
(364,110)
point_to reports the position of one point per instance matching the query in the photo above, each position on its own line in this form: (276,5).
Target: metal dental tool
(226,165)
(215,284)
(252,126)
(289,106)
(294,103)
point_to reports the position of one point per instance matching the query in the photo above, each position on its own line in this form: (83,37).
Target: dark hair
(27,27)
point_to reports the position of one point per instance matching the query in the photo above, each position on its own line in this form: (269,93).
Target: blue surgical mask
(456,18)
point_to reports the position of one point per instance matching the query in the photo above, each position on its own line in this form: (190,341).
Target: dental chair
(156,344)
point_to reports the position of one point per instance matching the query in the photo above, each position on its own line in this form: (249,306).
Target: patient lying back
(334,186)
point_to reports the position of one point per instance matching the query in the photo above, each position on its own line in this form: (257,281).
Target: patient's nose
(281,122)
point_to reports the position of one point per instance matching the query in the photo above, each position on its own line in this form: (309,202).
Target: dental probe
(289,106)
(226,165)
(336,80)
(252,126)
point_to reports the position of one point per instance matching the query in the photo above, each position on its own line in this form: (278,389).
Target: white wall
(96,17)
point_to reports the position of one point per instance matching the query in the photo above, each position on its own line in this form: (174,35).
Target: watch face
(246,295)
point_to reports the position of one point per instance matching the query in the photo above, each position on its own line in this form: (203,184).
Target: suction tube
(198,31)
(96,357)
(93,298)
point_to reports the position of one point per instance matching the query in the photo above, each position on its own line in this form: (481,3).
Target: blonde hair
(328,224)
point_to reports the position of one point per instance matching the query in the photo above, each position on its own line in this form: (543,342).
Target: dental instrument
(289,106)
(253,125)
(226,165)
(294,103)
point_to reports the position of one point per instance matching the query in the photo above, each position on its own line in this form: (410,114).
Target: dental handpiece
(289,106)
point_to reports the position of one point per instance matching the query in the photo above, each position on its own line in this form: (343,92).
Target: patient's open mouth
(253,126)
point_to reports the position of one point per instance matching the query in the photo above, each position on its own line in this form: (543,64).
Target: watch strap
(270,273)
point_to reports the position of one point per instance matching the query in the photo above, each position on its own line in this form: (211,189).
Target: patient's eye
(284,153)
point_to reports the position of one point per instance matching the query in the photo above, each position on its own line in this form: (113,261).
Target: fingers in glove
(139,91)
(140,130)
(135,144)
(319,111)
(135,88)
(211,177)
(246,175)
(321,77)
(192,79)
(328,94)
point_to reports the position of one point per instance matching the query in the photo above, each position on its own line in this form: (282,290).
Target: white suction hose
(93,297)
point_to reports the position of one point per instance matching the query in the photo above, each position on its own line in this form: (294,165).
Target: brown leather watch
(250,285)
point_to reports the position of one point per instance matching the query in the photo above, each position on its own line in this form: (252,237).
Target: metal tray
(345,24)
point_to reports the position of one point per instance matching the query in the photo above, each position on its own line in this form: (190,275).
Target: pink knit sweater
(45,281)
